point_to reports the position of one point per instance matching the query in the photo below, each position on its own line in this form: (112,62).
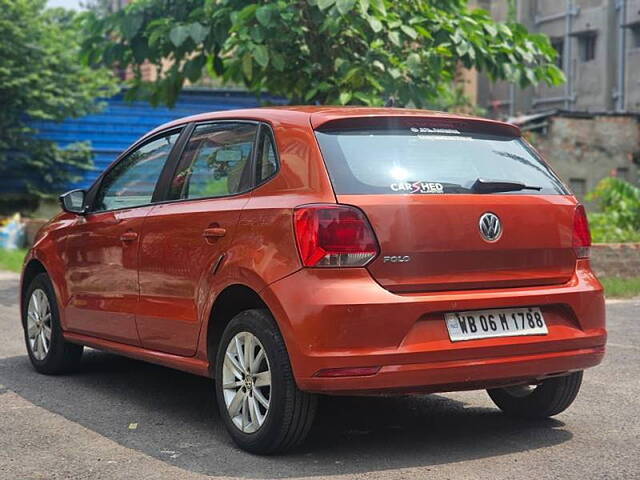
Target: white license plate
(509,322)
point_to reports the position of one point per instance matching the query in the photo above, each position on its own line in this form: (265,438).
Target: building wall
(583,150)
(632,77)
(121,123)
(495,97)
(616,259)
(592,83)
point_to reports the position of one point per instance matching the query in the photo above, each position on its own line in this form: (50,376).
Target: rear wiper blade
(494,186)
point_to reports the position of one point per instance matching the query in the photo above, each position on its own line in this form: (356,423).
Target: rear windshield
(430,161)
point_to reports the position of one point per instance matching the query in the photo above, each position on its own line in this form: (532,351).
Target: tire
(549,398)
(52,355)
(290,413)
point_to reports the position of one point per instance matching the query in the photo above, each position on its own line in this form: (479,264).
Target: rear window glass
(430,161)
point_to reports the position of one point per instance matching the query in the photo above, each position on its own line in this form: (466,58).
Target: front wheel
(550,397)
(260,404)
(48,351)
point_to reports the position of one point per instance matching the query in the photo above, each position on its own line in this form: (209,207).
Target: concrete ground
(79,426)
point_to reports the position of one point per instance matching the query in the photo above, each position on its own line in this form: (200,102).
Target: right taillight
(331,235)
(581,234)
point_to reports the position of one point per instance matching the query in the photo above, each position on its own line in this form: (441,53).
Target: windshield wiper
(495,186)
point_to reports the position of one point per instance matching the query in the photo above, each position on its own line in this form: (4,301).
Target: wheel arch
(232,300)
(31,270)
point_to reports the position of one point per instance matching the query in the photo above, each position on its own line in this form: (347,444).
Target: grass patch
(616,287)
(12,259)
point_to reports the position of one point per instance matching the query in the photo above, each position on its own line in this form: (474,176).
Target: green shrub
(619,218)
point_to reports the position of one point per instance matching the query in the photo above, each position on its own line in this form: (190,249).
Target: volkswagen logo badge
(490,227)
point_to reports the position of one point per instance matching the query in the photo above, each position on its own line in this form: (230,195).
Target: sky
(75,4)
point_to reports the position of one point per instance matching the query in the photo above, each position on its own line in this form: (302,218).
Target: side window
(215,161)
(132,181)
(266,161)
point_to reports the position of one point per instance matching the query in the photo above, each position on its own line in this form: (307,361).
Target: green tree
(317,51)
(100,7)
(42,78)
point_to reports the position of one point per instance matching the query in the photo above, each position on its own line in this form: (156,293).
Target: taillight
(334,236)
(581,234)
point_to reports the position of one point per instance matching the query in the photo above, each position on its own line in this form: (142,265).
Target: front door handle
(129,236)
(214,232)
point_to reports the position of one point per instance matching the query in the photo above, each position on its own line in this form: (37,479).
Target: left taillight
(581,234)
(334,236)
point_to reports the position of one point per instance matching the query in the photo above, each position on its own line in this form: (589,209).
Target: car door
(185,238)
(102,247)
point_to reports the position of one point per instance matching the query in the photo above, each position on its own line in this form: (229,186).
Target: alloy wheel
(246,382)
(39,324)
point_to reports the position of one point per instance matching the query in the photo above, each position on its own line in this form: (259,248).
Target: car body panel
(102,275)
(175,260)
(347,320)
(48,251)
(441,238)
(407,116)
(195,365)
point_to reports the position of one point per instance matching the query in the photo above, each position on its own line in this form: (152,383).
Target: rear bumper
(457,375)
(334,319)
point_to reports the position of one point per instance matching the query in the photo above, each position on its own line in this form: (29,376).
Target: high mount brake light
(334,236)
(581,235)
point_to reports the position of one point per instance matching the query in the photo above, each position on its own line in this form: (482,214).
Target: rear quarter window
(430,161)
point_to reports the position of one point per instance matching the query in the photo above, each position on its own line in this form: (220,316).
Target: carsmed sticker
(448,131)
(417,187)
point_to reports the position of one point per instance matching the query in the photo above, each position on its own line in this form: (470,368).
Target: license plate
(510,322)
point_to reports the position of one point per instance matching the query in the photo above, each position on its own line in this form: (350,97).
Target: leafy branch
(316,51)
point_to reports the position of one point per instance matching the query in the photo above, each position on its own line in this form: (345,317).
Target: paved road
(77,426)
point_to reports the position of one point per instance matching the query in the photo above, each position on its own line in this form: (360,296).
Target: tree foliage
(317,51)
(41,78)
(619,218)
(100,7)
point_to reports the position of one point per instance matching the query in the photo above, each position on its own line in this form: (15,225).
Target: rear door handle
(214,232)
(129,236)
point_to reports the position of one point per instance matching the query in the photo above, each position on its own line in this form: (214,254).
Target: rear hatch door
(434,242)
(415,179)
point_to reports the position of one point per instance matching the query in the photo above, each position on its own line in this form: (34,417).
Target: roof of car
(319,115)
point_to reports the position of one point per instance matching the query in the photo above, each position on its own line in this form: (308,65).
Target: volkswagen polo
(290,252)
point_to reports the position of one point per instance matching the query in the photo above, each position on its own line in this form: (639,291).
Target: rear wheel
(550,397)
(260,404)
(48,351)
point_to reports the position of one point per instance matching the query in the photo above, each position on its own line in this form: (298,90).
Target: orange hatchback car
(290,252)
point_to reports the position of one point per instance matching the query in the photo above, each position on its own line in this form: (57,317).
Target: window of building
(558,45)
(578,186)
(635,35)
(587,46)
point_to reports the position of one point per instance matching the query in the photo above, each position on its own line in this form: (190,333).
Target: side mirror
(73,202)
